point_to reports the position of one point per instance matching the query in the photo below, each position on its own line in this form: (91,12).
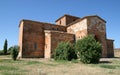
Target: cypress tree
(5,47)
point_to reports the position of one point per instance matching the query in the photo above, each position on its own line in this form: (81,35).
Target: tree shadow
(117,57)
(105,62)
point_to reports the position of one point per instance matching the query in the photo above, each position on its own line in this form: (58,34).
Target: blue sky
(12,11)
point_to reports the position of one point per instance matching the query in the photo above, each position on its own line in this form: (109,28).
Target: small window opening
(35,45)
(74,19)
(60,21)
(97,39)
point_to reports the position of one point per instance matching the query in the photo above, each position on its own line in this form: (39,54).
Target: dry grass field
(107,66)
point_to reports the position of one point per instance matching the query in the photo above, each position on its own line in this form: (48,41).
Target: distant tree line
(13,50)
(5,48)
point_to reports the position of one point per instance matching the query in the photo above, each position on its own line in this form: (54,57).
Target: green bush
(64,51)
(89,50)
(10,49)
(14,52)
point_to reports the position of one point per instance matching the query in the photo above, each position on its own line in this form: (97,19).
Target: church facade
(39,39)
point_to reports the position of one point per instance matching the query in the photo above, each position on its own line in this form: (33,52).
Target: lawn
(36,66)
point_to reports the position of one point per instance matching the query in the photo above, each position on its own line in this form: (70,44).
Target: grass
(32,62)
(4,67)
(108,66)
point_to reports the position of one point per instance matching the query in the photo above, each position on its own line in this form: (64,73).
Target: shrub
(1,52)
(64,51)
(89,50)
(10,49)
(14,52)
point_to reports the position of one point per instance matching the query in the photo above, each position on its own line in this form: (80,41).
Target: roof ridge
(66,15)
(41,22)
(84,18)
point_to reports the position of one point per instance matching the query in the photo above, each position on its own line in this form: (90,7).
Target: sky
(12,11)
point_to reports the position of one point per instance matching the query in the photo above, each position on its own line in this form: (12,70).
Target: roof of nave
(44,23)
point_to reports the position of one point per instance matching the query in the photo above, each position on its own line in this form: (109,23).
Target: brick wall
(79,29)
(39,39)
(66,19)
(97,27)
(32,37)
(47,44)
(110,48)
(33,40)
(20,42)
(53,38)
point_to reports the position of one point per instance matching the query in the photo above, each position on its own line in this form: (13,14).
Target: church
(39,39)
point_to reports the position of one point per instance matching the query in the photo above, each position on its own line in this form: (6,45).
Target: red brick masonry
(38,39)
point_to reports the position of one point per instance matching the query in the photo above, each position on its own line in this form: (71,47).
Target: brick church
(39,39)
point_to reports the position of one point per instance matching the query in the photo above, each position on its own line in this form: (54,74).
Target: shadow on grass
(9,60)
(105,62)
(117,57)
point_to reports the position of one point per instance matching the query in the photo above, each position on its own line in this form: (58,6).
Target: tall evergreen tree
(5,46)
